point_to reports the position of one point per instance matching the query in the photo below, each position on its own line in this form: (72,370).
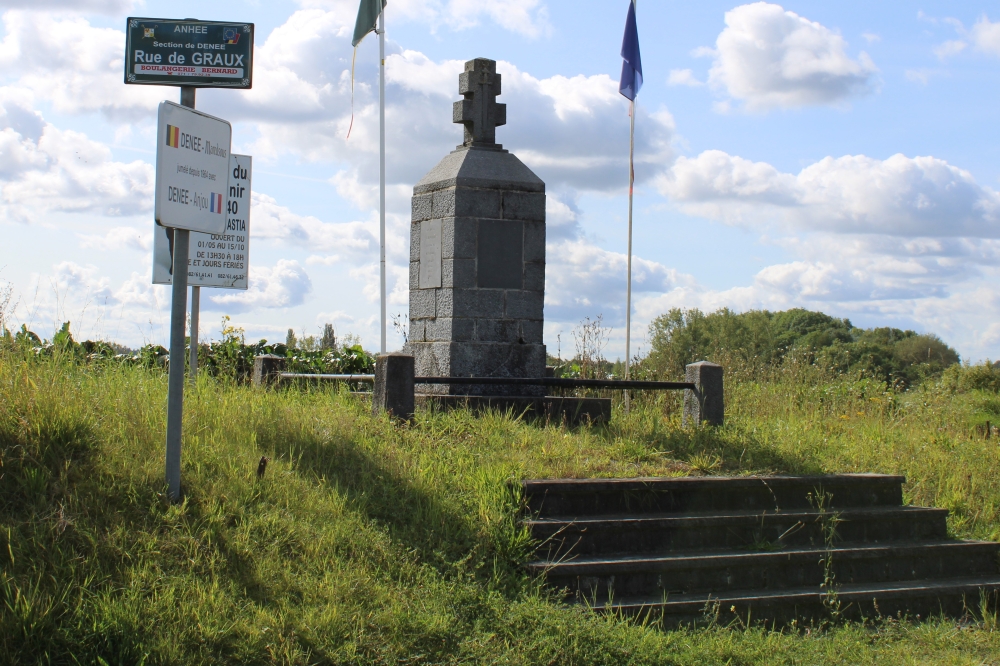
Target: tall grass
(369,542)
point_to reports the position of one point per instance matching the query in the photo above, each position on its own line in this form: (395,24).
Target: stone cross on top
(479,111)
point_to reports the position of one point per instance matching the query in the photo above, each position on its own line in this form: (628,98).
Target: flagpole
(381,165)
(628,291)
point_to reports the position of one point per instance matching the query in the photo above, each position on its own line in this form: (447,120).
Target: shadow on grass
(442,535)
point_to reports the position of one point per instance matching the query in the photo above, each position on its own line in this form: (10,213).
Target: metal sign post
(192,175)
(193,153)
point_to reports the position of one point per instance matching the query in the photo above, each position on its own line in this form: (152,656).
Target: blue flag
(632,65)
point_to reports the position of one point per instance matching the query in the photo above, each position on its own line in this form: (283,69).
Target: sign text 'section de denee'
(189,53)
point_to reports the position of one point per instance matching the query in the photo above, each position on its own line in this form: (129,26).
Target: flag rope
(351,126)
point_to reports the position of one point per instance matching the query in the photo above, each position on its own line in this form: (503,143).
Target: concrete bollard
(266,368)
(706,404)
(394,375)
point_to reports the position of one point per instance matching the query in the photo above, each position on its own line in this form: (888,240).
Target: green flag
(368,13)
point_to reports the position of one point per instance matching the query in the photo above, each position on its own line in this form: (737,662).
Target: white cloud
(77,67)
(949,48)
(899,196)
(43,168)
(72,64)
(119,238)
(585,280)
(91,6)
(525,17)
(71,278)
(769,57)
(986,36)
(683,77)
(282,286)
(921,76)
(275,222)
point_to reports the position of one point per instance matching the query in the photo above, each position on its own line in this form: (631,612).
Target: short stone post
(394,375)
(266,369)
(706,403)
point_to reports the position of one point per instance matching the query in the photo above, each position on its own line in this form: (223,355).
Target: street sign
(205,54)
(192,169)
(214,260)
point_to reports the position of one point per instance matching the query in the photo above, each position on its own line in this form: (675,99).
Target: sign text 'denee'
(192,169)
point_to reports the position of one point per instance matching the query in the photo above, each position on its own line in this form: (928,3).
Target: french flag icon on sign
(215,206)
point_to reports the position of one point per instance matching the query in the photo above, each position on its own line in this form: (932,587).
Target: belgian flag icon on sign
(173,136)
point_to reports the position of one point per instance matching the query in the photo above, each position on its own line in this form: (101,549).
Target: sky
(840,157)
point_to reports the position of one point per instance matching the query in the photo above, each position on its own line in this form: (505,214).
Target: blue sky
(834,156)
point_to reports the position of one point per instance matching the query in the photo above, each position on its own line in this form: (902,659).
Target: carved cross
(479,111)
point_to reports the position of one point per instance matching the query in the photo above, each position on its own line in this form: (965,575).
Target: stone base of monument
(769,549)
(553,409)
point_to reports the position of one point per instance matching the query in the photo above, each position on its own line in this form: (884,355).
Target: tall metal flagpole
(628,291)
(381,163)
(628,288)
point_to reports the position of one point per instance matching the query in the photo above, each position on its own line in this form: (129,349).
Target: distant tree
(759,338)
(290,340)
(329,340)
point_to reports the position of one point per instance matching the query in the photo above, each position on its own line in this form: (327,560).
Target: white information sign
(192,169)
(214,260)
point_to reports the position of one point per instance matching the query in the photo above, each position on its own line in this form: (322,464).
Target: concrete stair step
(917,599)
(597,578)
(562,538)
(581,497)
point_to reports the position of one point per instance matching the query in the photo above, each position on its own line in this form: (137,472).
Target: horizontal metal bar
(558,381)
(341,378)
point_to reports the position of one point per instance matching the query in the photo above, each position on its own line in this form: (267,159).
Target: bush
(231,357)
(758,340)
(965,378)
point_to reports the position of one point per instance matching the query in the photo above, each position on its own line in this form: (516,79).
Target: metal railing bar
(558,381)
(343,378)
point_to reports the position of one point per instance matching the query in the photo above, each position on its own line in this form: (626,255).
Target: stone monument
(477,269)
(477,255)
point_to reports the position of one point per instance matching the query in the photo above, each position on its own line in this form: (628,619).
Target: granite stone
(423,303)
(524,305)
(458,273)
(476,303)
(266,368)
(477,202)
(415,274)
(706,404)
(534,241)
(483,168)
(420,208)
(523,206)
(534,276)
(394,392)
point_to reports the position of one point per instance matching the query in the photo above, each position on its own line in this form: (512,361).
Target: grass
(367,542)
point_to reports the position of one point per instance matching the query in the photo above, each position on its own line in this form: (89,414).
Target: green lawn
(367,542)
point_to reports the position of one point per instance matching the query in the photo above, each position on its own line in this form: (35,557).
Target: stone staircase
(777,549)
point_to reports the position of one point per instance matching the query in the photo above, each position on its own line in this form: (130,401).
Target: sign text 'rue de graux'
(207,54)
